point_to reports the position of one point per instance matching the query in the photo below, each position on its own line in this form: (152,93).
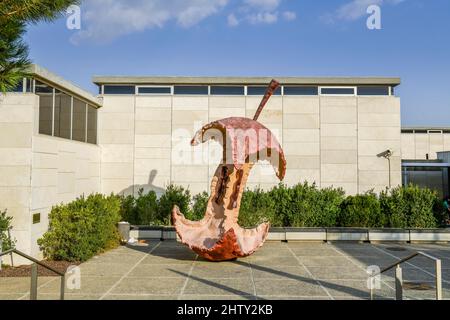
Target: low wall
(319,234)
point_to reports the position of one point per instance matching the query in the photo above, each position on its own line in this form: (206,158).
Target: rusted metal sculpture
(218,237)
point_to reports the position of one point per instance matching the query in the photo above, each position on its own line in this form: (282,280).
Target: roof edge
(41,73)
(392,81)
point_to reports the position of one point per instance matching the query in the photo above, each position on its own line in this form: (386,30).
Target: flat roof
(425,128)
(49,77)
(392,81)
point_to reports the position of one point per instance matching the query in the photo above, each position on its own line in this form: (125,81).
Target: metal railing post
(34,281)
(398,283)
(1,248)
(11,254)
(438,280)
(63,287)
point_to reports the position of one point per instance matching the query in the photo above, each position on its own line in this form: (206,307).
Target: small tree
(5,226)
(14,16)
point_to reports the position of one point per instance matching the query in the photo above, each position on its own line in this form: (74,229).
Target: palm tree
(14,16)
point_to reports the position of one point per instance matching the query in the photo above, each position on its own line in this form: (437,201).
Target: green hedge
(303,205)
(82,228)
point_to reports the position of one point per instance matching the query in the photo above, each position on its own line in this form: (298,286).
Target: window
(407,131)
(199,90)
(300,91)
(260,91)
(92,125)
(45,94)
(119,90)
(154,90)
(373,91)
(337,91)
(79,120)
(63,115)
(29,85)
(227,90)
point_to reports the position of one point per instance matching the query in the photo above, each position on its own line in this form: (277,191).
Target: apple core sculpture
(218,237)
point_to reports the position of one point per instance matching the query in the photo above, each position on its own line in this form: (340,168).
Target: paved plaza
(294,270)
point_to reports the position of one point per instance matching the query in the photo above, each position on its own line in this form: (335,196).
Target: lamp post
(387,155)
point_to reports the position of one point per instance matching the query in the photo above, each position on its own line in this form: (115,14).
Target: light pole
(387,155)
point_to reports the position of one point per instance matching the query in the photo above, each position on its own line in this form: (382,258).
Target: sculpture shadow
(134,189)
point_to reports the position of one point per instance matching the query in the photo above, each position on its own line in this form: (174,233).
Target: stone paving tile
(275,297)
(280,272)
(169,259)
(140,297)
(243,286)
(160,271)
(218,297)
(324,261)
(10,296)
(20,285)
(217,271)
(301,287)
(104,269)
(67,296)
(138,286)
(338,272)
(270,261)
(355,288)
(89,285)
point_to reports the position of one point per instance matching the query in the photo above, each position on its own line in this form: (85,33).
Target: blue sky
(259,37)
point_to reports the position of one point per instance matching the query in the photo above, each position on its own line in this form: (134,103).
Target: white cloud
(263,17)
(105,20)
(263,5)
(355,9)
(232,20)
(289,15)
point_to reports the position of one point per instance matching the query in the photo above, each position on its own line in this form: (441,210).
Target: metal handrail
(34,275)
(399,278)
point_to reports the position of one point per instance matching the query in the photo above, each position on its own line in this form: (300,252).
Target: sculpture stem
(274,84)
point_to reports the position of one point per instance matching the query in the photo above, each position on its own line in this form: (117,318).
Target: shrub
(257,207)
(200,201)
(128,210)
(5,226)
(174,195)
(362,210)
(146,208)
(82,228)
(411,207)
(314,207)
(305,205)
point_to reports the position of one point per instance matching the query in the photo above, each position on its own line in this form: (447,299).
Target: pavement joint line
(39,287)
(359,265)
(411,264)
(180,295)
(129,271)
(253,280)
(310,273)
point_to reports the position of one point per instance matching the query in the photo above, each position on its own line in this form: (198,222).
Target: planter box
(347,234)
(429,235)
(276,234)
(306,234)
(146,232)
(169,233)
(380,235)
